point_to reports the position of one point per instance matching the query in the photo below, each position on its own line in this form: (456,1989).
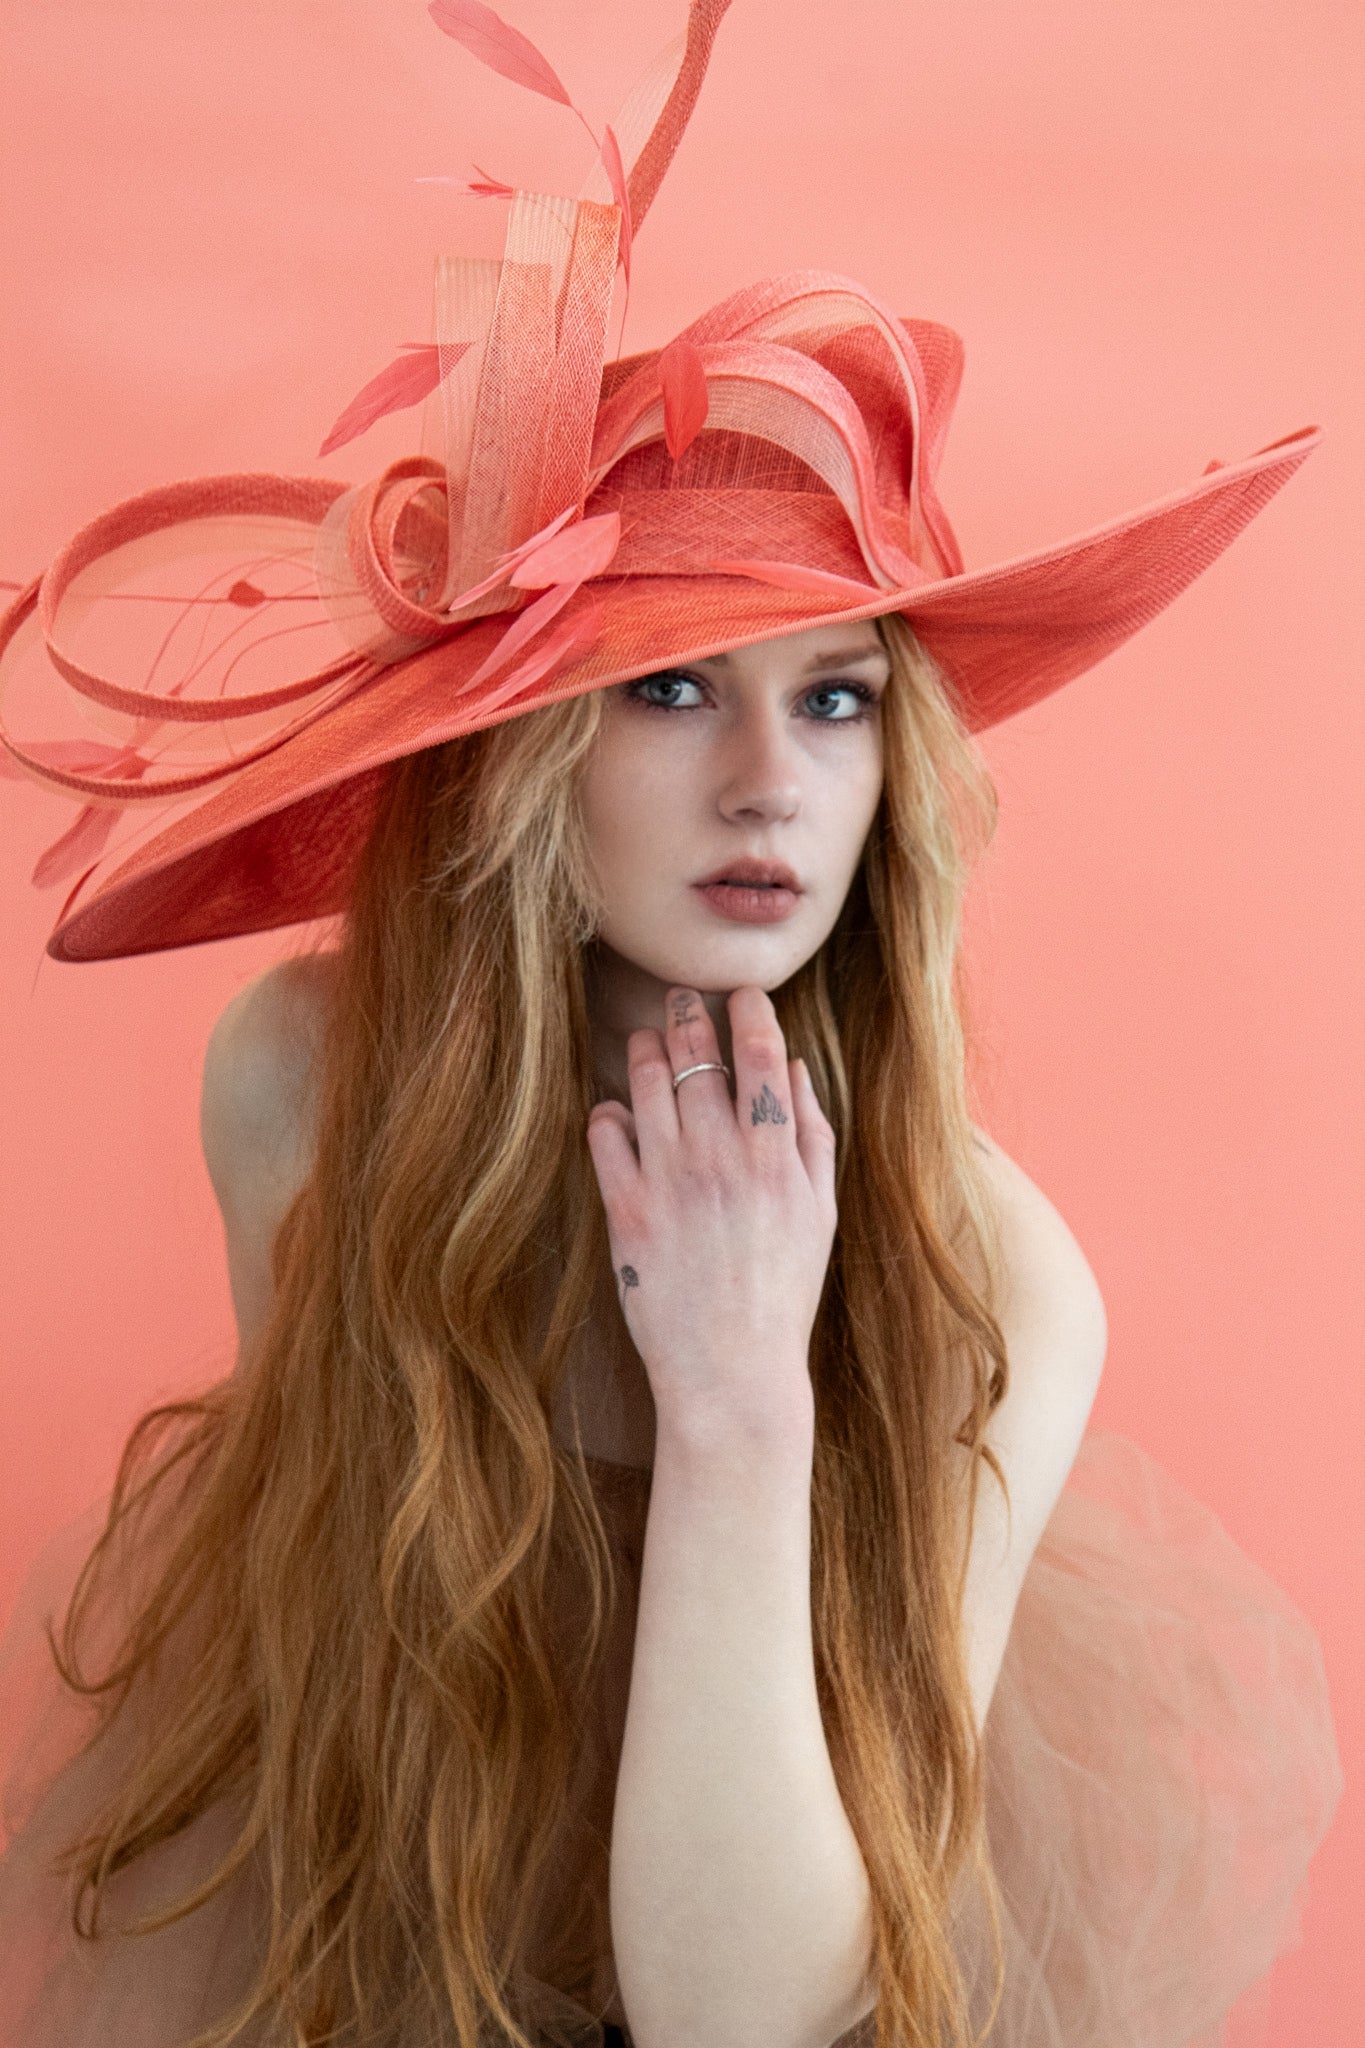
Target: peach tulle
(1161,1767)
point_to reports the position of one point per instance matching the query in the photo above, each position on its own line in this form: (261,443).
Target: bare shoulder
(1050,1287)
(1053,1319)
(256,1118)
(260,1066)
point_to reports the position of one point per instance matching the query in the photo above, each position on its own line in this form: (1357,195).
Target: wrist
(774,1434)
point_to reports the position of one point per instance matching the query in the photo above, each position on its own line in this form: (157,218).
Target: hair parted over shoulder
(346,1629)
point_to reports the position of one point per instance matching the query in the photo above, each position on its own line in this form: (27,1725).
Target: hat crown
(867,430)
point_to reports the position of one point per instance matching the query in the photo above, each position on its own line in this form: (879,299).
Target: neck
(623,998)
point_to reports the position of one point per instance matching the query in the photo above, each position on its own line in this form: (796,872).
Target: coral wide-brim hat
(772,469)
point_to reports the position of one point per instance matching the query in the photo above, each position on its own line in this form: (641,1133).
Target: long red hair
(347,1640)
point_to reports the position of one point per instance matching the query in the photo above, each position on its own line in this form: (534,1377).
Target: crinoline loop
(397,543)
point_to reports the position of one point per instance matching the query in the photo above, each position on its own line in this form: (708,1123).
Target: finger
(611,1133)
(617,1113)
(814,1133)
(651,1093)
(690,1037)
(763,1101)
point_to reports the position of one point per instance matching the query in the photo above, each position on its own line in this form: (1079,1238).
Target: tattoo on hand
(629,1278)
(684,1010)
(766,1109)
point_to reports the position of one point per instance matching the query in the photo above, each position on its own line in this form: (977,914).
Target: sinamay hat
(277,641)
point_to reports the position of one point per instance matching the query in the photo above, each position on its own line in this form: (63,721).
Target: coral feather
(616,172)
(408,379)
(505,50)
(80,845)
(75,890)
(524,627)
(503,567)
(482,187)
(571,557)
(682,380)
(571,637)
(485,187)
(795,576)
(83,839)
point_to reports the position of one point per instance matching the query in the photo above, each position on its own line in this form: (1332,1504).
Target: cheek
(848,807)
(627,800)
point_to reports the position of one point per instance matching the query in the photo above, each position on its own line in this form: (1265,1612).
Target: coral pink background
(1145,219)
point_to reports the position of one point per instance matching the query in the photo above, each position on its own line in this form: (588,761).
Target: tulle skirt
(1161,1766)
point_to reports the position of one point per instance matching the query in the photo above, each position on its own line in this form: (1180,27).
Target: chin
(743,958)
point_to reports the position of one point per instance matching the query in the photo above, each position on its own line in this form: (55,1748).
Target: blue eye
(827,704)
(839,703)
(665,691)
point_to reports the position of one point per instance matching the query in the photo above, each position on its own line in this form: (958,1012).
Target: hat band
(684,532)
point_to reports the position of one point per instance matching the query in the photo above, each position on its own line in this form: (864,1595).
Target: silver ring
(702,1067)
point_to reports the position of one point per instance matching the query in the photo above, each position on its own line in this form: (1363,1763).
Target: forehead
(815,650)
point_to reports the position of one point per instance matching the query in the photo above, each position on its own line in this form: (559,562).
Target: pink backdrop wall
(1145,220)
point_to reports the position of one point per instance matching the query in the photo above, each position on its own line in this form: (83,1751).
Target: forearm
(740,1908)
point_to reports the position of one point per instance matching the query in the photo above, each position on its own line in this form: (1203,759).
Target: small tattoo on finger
(766,1109)
(629,1278)
(684,1010)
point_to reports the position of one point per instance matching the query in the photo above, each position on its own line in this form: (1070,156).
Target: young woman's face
(727,801)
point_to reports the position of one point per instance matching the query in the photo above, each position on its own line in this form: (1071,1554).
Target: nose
(759,771)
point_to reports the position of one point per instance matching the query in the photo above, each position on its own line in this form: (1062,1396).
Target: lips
(751,891)
(753,874)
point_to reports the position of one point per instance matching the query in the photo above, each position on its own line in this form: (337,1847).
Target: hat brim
(277,843)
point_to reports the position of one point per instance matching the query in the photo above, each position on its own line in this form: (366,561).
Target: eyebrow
(844,659)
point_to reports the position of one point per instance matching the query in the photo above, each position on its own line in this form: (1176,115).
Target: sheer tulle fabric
(1161,1767)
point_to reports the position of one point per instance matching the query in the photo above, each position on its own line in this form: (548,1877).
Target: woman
(720,1215)
(630,1116)
(765,755)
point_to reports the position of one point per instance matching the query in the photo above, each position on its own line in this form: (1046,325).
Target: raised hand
(721,1215)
